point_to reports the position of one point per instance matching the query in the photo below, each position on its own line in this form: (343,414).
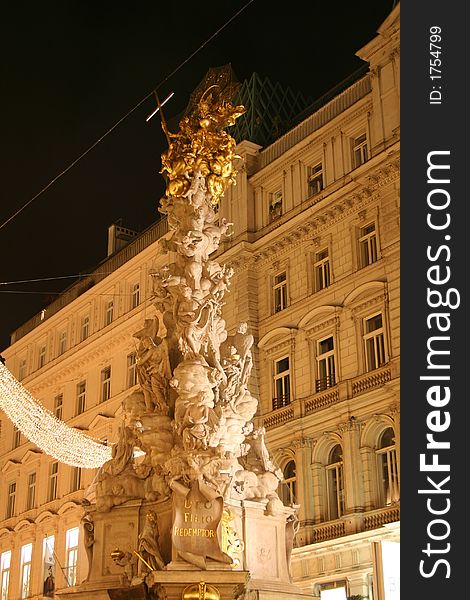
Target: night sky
(72,69)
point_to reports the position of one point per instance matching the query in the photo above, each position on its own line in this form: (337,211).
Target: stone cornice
(331,322)
(322,218)
(370,302)
(303,442)
(73,369)
(296,153)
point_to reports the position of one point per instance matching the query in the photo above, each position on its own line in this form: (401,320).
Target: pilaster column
(303,459)
(352,465)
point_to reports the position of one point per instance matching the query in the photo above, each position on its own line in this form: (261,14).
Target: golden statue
(201,145)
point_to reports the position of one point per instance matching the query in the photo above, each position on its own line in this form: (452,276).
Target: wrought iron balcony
(326,382)
(281,401)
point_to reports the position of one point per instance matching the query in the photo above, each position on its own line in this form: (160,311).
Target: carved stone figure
(149,548)
(127,560)
(88,539)
(154,373)
(292,528)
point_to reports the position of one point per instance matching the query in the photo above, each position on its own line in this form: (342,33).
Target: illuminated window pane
(72,555)
(26,554)
(5,563)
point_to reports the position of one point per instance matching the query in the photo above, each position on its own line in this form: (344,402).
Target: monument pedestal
(228,583)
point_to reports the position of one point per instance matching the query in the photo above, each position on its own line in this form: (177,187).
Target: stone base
(97,590)
(266,590)
(181,565)
(228,583)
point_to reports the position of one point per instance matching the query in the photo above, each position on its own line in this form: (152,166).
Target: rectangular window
(360,152)
(76,479)
(58,404)
(321,269)
(16,437)
(11,498)
(31,498)
(62,342)
(280,292)
(42,357)
(131,370)
(109,313)
(48,570)
(281,383)
(105,384)
(26,555)
(53,473)
(389,475)
(374,343)
(135,295)
(22,369)
(71,541)
(325,364)
(315,179)
(5,563)
(335,490)
(368,245)
(81,397)
(275,206)
(85,328)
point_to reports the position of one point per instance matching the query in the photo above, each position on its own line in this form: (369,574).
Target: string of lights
(40,426)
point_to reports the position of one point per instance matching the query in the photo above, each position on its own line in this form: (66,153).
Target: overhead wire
(76,276)
(111,129)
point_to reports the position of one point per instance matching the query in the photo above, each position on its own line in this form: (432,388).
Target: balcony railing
(329,392)
(325,383)
(347,525)
(380,517)
(281,401)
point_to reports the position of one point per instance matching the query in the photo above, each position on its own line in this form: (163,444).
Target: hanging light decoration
(43,428)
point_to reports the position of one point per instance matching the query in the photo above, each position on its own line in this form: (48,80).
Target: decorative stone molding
(333,322)
(351,425)
(303,442)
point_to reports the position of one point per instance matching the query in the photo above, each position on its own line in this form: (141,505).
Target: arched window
(288,493)
(334,483)
(388,468)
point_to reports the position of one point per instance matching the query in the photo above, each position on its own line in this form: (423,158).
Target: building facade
(315,251)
